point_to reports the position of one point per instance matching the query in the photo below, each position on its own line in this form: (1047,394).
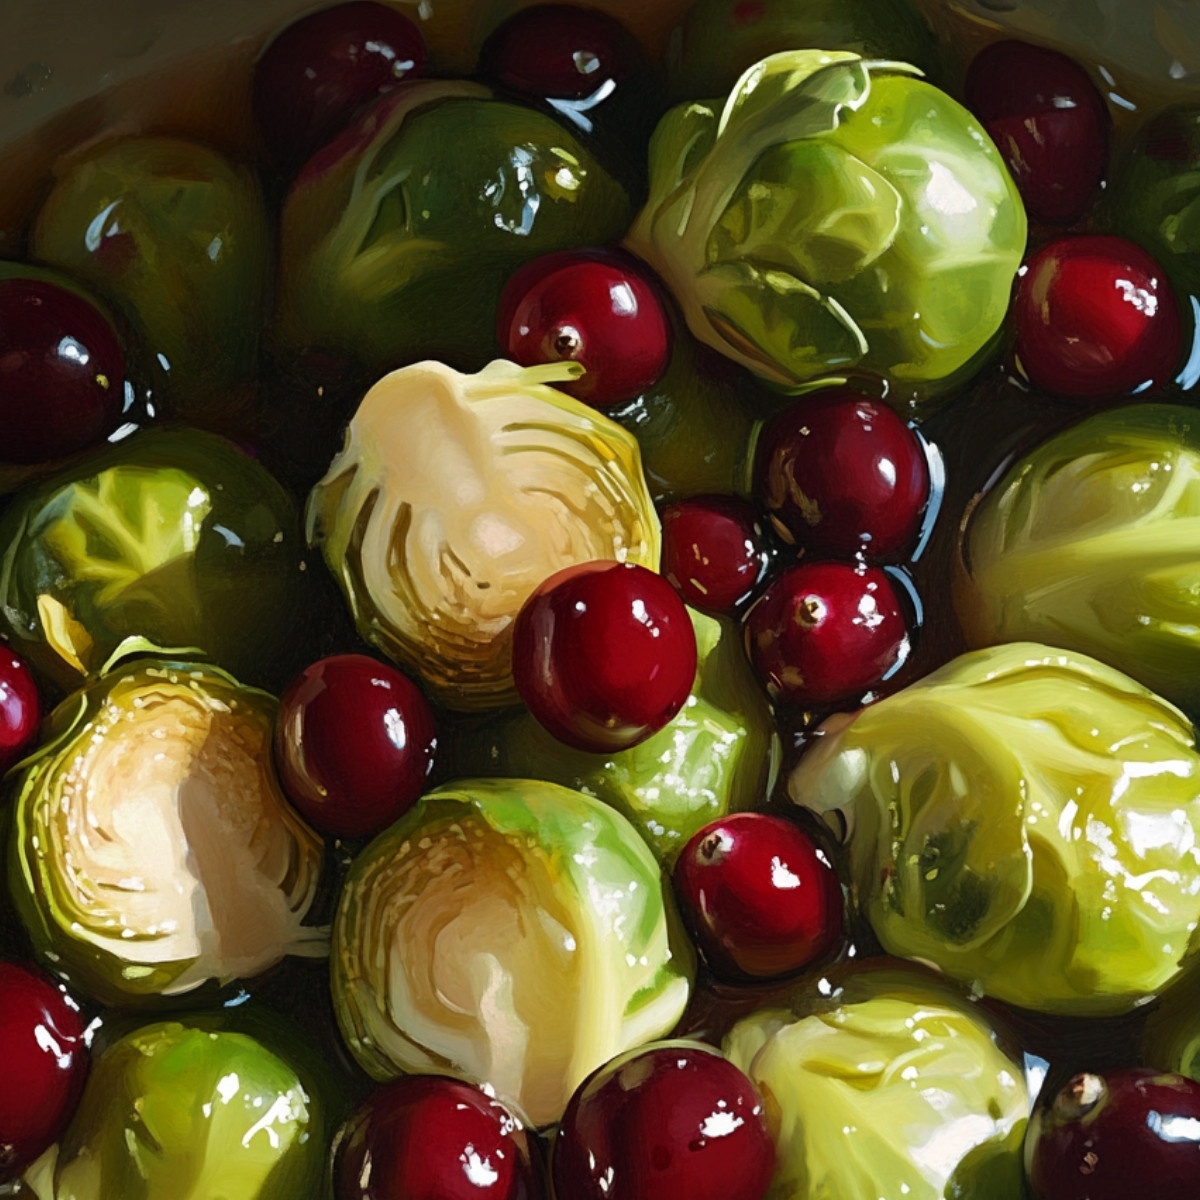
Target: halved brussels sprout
(1025,818)
(152,849)
(455,496)
(512,932)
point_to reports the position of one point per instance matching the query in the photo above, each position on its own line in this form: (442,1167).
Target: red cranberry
(62,372)
(759,897)
(355,741)
(712,550)
(425,1137)
(319,71)
(675,1121)
(604,655)
(840,474)
(1095,317)
(824,633)
(1132,1132)
(598,308)
(45,1063)
(20,708)
(1049,122)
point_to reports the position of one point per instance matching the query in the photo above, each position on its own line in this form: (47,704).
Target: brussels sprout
(177,239)
(455,496)
(398,238)
(833,214)
(719,755)
(1025,818)
(1090,543)
(175,536)
(152,849)
(513,932)
(896,1087)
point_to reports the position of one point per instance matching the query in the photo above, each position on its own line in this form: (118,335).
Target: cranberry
(759,897)
(355,742)
(319,71)
(425,1137)
(1095,317)
(62,372)
(712,550)
(1131,1132)
(840,474)
(598,308)
(676,1121)
(604,655)
(824,633)
(45,1063)
(1049,122)
(20,708)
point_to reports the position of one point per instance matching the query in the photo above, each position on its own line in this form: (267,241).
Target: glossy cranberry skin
(604,655)
(426,1137)
(312,79)
(1096,318)
(759,897)
(20,708)
(1049,122)
(713,551)
(825,633)
(355,742)
(44,1061)
(672,1121)
(595,307)
(1126,1133)
(62,372)
(840,474)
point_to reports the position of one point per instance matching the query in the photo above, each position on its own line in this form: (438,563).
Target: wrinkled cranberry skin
(1138,1139)
(673,1121)
(758,897)
(825,633)
(426,1137)
(604,655)
(1049,122)
(840,474)
(45,1064)
(62,372)
(355,742)
(311,80)
(20,708)
(713,552)
(1096,318)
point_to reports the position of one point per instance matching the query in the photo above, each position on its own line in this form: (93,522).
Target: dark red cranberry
(20,708)
(318,72)
(675,1121)
(62,372)
(712,550)
(604,655)
(1049,122)
(1132,1132)
(1095,317)
(426,1137)
(840,474)
(355,742)
(45,1062)
(594,307)
(759,897)
(825,633)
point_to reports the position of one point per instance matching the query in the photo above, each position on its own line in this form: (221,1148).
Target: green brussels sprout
(177,239)
(152,849)
(398,238)
(455,496)
(1090,543)
(181,1109)
(719,754)
(171,535)
(512,932)
(834,215)
(895,1087)
(1025,818)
